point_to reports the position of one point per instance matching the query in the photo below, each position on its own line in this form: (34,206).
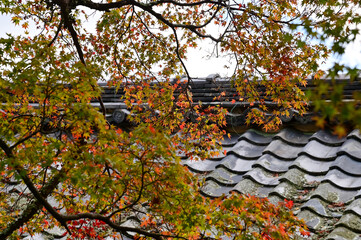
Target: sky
(199,65)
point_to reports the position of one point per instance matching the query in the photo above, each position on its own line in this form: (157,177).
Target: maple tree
(64,167)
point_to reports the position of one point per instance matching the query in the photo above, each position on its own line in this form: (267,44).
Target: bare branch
(56,34)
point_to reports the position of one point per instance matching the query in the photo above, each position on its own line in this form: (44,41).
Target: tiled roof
(206,89)
(320,172)
(214,87)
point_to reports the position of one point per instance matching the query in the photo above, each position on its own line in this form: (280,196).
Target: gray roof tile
(287,190)
(320,172)
(327,138)
(342,233)
(248,186)
(256,138)
(219,155)
(315,149)
(313,220)
(316,205)
(356,134)
(247,150)
(282,150)
(293,137)
(352,148)
(311,165)
(355,207)
(348,165)
(343,180)
(272,163)
(358,194)
(201,166)
(263,177)
(213,189)
(302,179)
(333,194)
(224,177)
(230,141)
(237,164)
(350,221)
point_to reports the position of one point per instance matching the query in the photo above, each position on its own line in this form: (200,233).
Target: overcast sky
(199,65)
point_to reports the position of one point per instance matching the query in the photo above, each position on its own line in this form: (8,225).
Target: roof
(320,172)
(214,90)
(317,170)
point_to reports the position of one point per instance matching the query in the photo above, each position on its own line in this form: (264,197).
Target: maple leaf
(152,129)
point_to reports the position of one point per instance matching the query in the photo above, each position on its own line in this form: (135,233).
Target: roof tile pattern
(320,172)
(214,90)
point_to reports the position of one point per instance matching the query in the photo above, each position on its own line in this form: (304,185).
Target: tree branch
(39,197)
(32,208)
(5,148)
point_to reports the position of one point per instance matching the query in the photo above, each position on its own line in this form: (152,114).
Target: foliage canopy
(62,165)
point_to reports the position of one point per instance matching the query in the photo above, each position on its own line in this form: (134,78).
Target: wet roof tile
(293,136)
(327,138)
(224,177)
(348,165)
(343,180)
(201,166)
(319,171)
(272,163)
(352,148)
(237,164)
(247,150)
(248,186)
(310,165)
(256,138)
(315,149)
(282,150)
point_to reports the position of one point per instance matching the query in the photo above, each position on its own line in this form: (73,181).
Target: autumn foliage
(64,168)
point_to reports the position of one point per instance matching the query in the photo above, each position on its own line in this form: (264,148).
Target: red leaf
(152,129)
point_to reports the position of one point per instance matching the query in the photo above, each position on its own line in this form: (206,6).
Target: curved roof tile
(327,138)
(255,138)
(262,177)
(342,233)
(343,180)
(237,164)
(352,148)
(312,166)
(316,149)
(272,163)
(347,165)
(282,150)
(247,150)
(292,137)
(224,177)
